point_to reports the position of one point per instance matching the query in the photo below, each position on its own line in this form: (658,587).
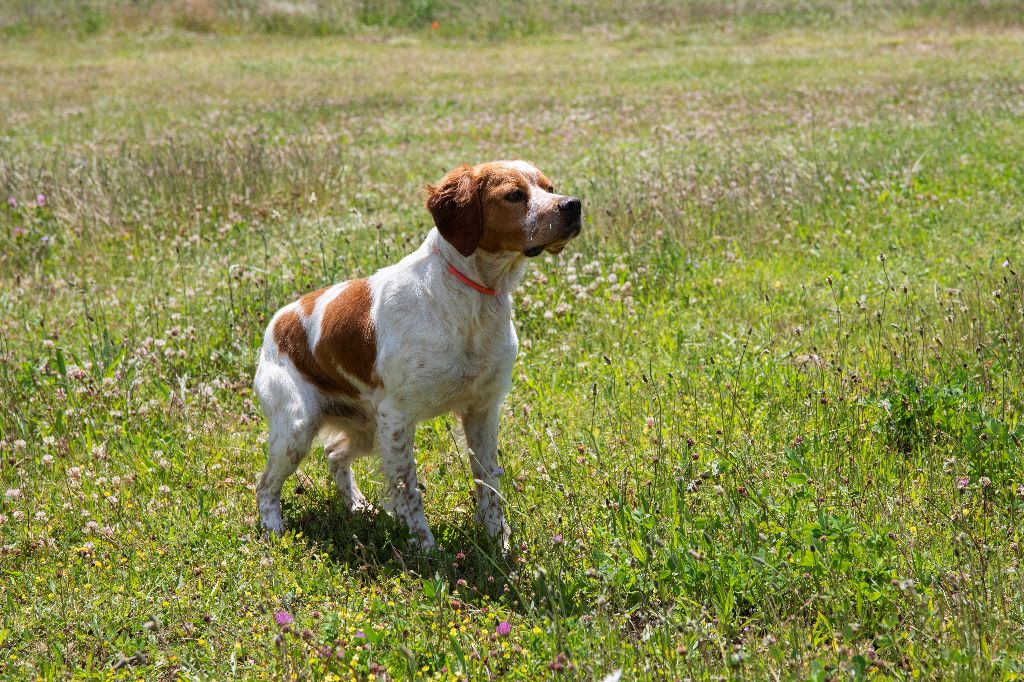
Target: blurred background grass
(493,19)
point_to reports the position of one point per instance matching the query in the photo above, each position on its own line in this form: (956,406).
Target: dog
(359,364)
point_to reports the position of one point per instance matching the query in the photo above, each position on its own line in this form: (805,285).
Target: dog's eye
(515,196)
(551,189)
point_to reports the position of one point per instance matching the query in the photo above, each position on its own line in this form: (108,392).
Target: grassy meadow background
(767,418)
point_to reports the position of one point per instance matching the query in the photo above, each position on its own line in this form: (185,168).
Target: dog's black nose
(570,206)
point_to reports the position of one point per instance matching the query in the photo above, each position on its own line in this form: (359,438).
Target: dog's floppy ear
(456,205)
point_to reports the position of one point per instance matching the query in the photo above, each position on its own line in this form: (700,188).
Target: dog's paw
(273,526)
(503,535)
(358,505)
(362,507)
(422,539)
(493,521)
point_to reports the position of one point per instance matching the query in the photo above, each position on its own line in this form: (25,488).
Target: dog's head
(503,206)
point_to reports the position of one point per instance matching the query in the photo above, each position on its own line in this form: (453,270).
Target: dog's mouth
(557,245)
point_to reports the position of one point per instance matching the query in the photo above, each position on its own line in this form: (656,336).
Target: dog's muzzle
(570,209)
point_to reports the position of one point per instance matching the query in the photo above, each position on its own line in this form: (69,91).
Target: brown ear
(457,208)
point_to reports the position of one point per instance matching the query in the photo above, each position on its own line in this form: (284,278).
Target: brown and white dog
(360,363)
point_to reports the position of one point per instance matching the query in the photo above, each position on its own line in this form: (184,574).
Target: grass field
(767,419)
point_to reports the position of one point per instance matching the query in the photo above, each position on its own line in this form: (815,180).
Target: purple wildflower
(962,483)
(360,634)
(283,618)
(40,200)
(557,539)
(19,231)
(504,628)
(12,202)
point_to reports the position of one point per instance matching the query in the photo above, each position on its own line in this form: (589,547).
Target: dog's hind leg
(294,417)
(342,449)
(287,445)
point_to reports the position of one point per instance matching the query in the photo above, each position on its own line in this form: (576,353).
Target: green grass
(767,418)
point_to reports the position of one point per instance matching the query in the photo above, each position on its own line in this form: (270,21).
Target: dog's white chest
(482,362)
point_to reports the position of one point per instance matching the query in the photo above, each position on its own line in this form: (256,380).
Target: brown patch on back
(292,341)
(308,302)
(347,337)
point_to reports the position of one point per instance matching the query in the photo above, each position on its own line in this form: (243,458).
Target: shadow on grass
(466,560)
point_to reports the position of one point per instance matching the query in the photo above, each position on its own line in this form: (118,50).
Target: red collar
(464,279)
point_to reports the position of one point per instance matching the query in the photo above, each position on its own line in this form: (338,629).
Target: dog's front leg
(395,433)
(481,427)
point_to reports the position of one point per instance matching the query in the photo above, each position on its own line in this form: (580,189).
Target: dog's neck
(496,270)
